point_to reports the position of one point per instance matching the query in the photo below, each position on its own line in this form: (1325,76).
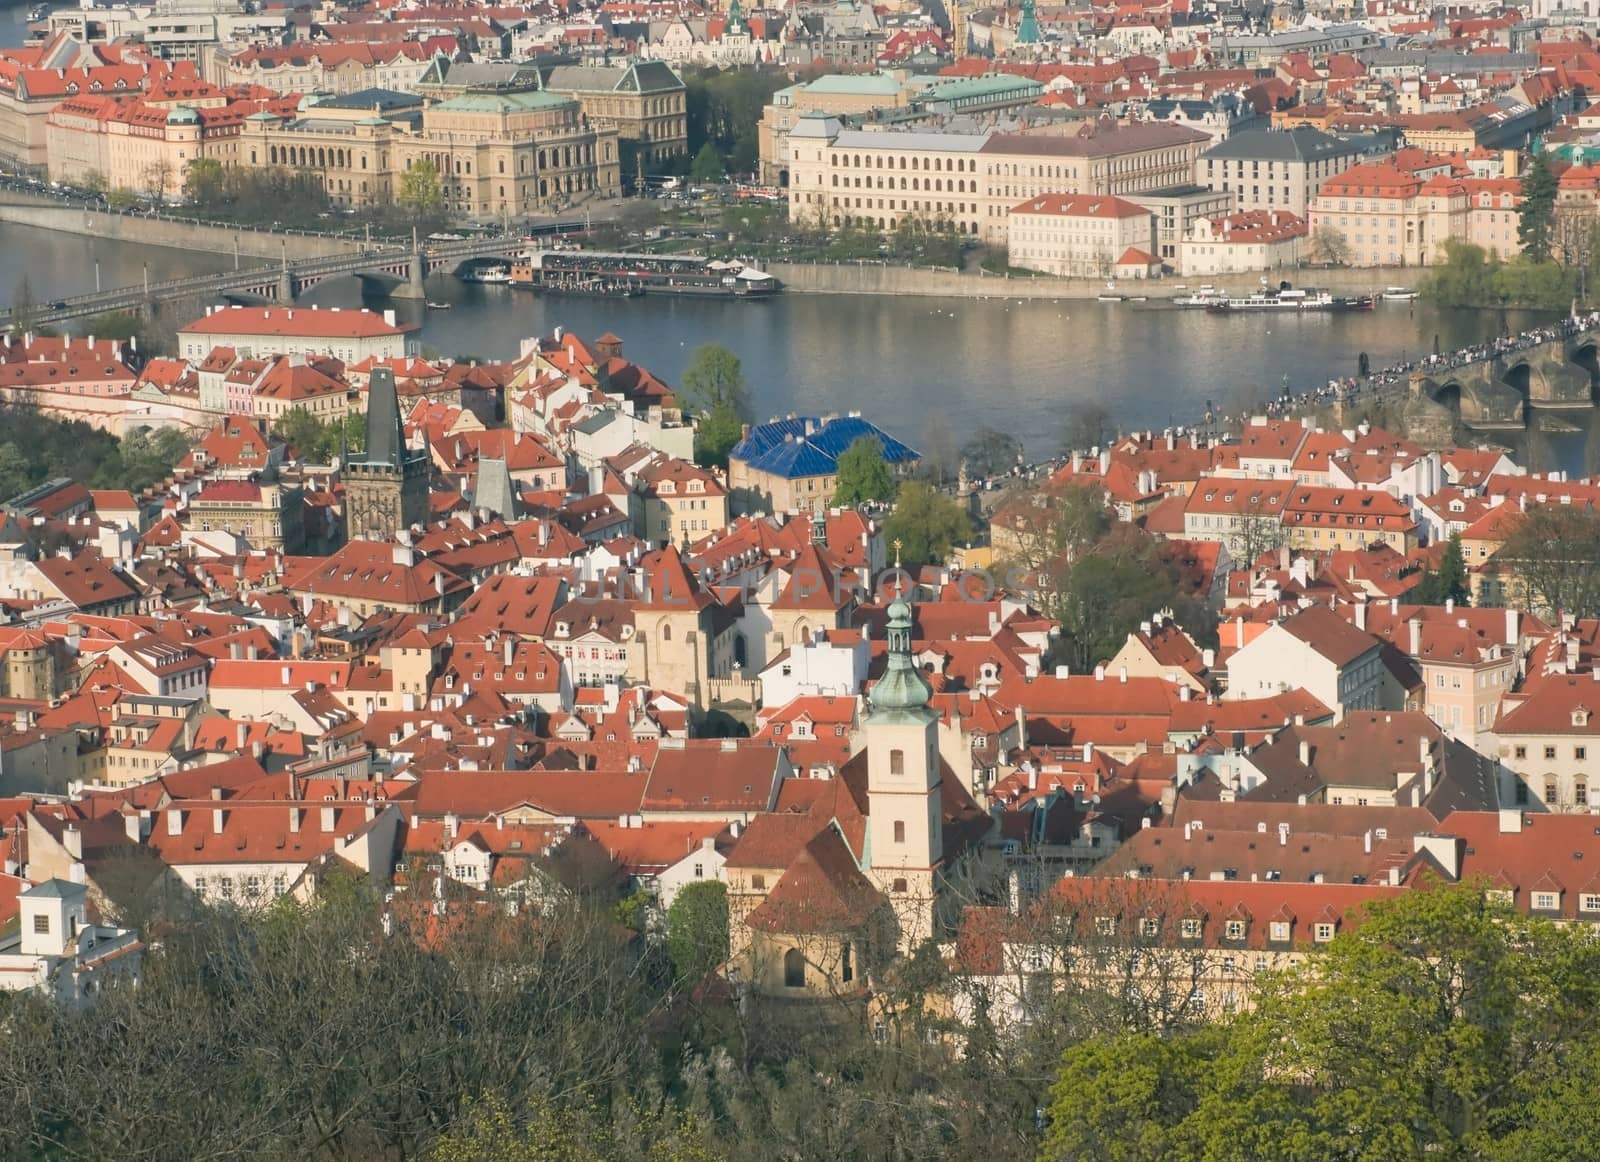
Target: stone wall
(47,214)
(872,279)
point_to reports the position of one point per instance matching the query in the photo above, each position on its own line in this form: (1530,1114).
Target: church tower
(1028,26)
(905,839)
(386,487)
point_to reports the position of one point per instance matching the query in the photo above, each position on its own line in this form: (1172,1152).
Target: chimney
(1366,842)
(174,821)
(1283,835)
(1022,725)
(72,840)
(1305,753)
(1188,831)
(294,820)
(1100,673)
(1449,604)
(327,819)
(1510,821)
(1415,625)
(1361,614)
(1122,674)
(218,818)
(1513,629)
(1033,777)
(1088,752)
(452,825)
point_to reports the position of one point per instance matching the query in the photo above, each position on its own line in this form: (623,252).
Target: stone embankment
(165,230)
(881,279)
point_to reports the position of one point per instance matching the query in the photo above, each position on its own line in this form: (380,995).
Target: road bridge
(399,270)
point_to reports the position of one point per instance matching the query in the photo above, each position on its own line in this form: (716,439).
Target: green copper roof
(902,693)
(870,84)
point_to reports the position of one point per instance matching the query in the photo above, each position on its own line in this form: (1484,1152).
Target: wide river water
(1017,365)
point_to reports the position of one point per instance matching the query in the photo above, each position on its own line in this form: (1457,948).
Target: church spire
(1028,26)
(902,692)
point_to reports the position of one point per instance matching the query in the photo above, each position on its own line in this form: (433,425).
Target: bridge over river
(398,270)
(1547,377)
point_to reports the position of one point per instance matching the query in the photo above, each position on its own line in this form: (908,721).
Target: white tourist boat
(488,274)
(1398,294)
(1203,297)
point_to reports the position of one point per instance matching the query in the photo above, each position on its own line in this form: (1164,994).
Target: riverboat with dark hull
(588,272)
(1288,299)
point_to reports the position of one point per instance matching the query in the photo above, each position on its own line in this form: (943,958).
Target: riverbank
(878,279)
(48,214)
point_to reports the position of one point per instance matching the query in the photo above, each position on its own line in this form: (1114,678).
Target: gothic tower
(905,840)
(386,486)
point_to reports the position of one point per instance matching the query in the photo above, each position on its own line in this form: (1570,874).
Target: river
(1016,365)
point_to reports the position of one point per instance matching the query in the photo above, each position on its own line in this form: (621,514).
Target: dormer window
(1580,716)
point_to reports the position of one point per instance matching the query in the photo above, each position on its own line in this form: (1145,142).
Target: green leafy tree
(421,192)
(1438,1027)
(16,474)
(315,441)
(714,377)
(926,523)
(697,929)
(122,199)
(1449,581)
(94,182)
(573,1132)
(1109,590)
(1536,214)
(715,434)
(863,474)
(707,165)
(204,181)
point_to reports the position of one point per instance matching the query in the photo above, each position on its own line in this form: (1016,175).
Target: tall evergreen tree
(1537,214)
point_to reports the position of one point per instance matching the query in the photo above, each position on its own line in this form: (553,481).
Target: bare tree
(1330,246)
(1553,553)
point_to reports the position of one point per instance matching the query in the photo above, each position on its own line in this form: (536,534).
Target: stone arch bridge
(1507,391)
(397,270)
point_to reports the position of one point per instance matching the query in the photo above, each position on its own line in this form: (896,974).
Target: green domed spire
(902,688)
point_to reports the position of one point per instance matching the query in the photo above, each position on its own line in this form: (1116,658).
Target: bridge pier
(412,287)
(286,286)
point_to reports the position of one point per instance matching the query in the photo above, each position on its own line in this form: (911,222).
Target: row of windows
(1580,753)
(938,185)
(937,164)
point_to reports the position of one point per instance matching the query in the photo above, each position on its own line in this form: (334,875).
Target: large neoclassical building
(495,153)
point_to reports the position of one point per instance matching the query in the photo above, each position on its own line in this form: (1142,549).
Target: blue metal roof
(783,447)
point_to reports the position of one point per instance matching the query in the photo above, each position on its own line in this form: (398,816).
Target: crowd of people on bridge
(1353,389)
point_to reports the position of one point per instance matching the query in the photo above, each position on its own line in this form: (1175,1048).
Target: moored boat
(627,275)
(487,274)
